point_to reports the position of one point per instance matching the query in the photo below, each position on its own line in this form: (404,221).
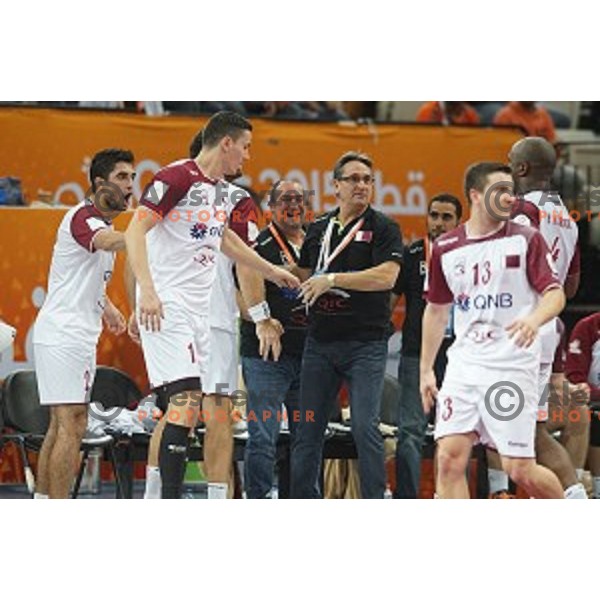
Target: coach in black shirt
(443,214)
(352,256)
(273,383)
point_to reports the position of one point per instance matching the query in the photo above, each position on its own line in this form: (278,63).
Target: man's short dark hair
(477,174)
(104,163)
(275,192)
(196,144)
(350,157)
(223,124)
(450,199)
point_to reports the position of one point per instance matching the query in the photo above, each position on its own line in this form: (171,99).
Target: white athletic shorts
(180,349)
(65,374)
(505,422)
(222,374)
(544,392)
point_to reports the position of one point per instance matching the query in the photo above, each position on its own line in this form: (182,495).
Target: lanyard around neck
(326,257)
(292,260)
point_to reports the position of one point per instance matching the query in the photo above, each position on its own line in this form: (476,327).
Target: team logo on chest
(198,231)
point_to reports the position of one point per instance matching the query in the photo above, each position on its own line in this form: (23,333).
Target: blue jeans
(324,366)
(412,426)
(269,384)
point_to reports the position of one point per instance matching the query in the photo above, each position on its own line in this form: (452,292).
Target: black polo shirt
(359,316)
(410,283)
(283,303)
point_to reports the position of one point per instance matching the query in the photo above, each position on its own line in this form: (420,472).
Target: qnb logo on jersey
(463,302)
(484,301)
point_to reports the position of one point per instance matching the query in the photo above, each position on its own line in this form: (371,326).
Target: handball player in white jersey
(222,370)
(500,277)
(70,321)
(532,162)
(173,242)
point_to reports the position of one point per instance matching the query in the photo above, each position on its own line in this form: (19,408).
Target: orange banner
(52,149)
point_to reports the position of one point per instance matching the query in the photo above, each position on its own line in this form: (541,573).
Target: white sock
(498,480)
(38,496)
(576,492)
(153,490)
(217,491)
(596,487)
(579,473)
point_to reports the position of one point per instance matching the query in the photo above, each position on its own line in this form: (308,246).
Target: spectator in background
(448,113)
(326,110)
(287,110)
(444,214)
(102,104)
(535,120)
(204,107)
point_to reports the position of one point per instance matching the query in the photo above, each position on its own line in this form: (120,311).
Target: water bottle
(91,482)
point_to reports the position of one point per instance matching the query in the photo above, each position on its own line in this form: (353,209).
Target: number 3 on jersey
(447,409)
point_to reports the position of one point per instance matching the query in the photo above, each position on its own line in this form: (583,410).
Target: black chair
(113,389)
(23,415)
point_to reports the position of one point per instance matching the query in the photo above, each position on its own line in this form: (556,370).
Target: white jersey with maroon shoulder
(492,281)
(183,246)
(243,221)
(583,354)
(72,310)
(546,211)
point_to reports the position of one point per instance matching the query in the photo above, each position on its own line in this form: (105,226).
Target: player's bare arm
(109,240)
(150,307)
(113,318)
(268,330)
(238,251)
(301,273)
(132,325)
(435,319)
(525,330)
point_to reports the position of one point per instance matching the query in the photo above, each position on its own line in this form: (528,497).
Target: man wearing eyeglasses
(273,383)
(350,260)
(444,214)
